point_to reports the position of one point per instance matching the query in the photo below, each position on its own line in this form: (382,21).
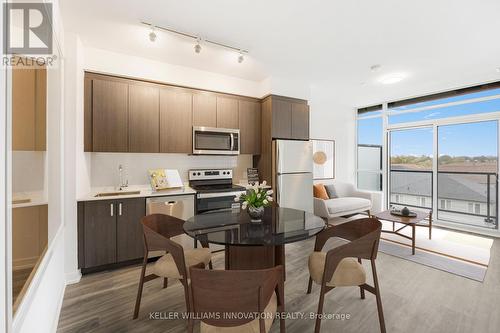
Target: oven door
(216,141)
(206,202)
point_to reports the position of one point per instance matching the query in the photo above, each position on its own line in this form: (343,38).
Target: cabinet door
(99,233)
(300,121)
(23,108)
(227,112)
(204,110)
(176,121)
(109,116)
(129,234)
(281,119)
(250,127)
(143,119)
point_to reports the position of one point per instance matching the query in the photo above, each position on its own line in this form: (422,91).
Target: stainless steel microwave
(215,141)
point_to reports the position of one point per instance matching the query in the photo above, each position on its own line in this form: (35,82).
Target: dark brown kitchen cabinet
(129,239)
(99,242)
(227,112)
(250,127)
(204,110)
(300,121)
(109,116)
(176,121)
(281,119)
(109,232)
(143,116)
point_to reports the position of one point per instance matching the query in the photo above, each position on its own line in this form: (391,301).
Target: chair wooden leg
(309,285)
(186,295)
(317,327)
(210,265)
(361,290)
(165,283)
(379,300)
(190,325)
(139,291)
(369,213)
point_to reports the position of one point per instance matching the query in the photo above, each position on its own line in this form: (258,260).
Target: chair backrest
(363,236)
(233,292)
(158,229)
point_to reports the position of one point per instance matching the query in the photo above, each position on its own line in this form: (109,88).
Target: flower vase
(256,213)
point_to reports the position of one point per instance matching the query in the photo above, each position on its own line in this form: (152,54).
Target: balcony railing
(463,197)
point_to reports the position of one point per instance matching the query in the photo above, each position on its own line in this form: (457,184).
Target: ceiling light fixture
(240,57)
(392,78)
(152,34)
(197,47)
(375,68)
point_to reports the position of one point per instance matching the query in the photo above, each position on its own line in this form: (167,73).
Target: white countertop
(35,198)
(145,191)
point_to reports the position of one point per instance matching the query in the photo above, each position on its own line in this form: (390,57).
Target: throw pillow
(319,191)
(331,191)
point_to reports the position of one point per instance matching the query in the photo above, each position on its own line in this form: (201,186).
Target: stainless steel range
(214,189)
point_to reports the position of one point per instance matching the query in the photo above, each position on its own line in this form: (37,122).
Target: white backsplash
(28,171)
(104,166)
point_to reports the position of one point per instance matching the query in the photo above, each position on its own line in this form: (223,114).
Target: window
(396,198)
(477,209)
(422,201)
(370,133)
(442,204)
(470,207)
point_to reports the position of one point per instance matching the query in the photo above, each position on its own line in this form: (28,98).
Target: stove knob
(199,174)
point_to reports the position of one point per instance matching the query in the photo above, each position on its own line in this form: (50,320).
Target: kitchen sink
(112,194)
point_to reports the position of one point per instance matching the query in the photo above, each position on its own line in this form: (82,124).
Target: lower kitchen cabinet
(109,231)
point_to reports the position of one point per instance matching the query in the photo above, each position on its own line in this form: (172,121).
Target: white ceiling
(437,44)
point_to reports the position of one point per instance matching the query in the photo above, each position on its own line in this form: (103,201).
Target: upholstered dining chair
(339,268)
(158,229)
(229,295)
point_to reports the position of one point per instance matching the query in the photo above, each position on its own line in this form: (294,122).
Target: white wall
(30,171)
(331,119)
(105,166)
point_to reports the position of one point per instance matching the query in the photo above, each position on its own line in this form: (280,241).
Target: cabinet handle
(111,206)
(120,209)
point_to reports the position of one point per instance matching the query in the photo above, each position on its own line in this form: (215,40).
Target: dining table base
(241,257)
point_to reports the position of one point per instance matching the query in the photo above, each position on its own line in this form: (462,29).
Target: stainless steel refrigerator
(292,171)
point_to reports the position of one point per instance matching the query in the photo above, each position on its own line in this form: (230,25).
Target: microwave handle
(232,141)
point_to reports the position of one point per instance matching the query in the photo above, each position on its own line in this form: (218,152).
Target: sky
(472,139)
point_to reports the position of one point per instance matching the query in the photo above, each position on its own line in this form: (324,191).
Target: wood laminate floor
(416,298)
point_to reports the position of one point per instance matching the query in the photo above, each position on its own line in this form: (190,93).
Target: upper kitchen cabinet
(227,112)
(143,116)
(109,116)
(176,121)
(250,126)
(29,96)
(300,121)
(204,109)
(289,118)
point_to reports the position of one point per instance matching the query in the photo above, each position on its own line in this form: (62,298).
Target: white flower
(269,198)
(244,206)
(259,195)
(264,183)
(269,192)
(237,198)
(265,202)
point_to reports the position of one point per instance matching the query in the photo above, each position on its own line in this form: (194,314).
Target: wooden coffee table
(411,222)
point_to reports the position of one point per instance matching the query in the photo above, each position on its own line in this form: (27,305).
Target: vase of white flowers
(255,199)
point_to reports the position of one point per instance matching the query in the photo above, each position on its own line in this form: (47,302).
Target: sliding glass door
(410,167)
(467,173)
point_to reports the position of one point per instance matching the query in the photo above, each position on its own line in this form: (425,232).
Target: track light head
(197,47)
(152,34)
(241,57)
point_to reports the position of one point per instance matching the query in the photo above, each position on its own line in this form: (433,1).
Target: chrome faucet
(122,184)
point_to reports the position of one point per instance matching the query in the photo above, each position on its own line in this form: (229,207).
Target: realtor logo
(28,28)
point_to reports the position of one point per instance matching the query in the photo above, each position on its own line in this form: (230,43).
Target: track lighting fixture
(241,57)
(152,34)
(197,47)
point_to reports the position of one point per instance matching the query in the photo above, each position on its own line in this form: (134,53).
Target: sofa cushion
(332,192)
(319,191)
(347,204)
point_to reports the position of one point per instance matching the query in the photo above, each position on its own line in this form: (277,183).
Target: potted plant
(255,199)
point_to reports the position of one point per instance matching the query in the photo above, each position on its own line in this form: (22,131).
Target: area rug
(454,252)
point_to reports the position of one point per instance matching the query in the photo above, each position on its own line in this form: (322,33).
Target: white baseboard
(73,277)
(59,307)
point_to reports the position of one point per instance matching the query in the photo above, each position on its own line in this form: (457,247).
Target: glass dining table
(254,245)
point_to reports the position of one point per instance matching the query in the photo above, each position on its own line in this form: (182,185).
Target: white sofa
(349,201)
